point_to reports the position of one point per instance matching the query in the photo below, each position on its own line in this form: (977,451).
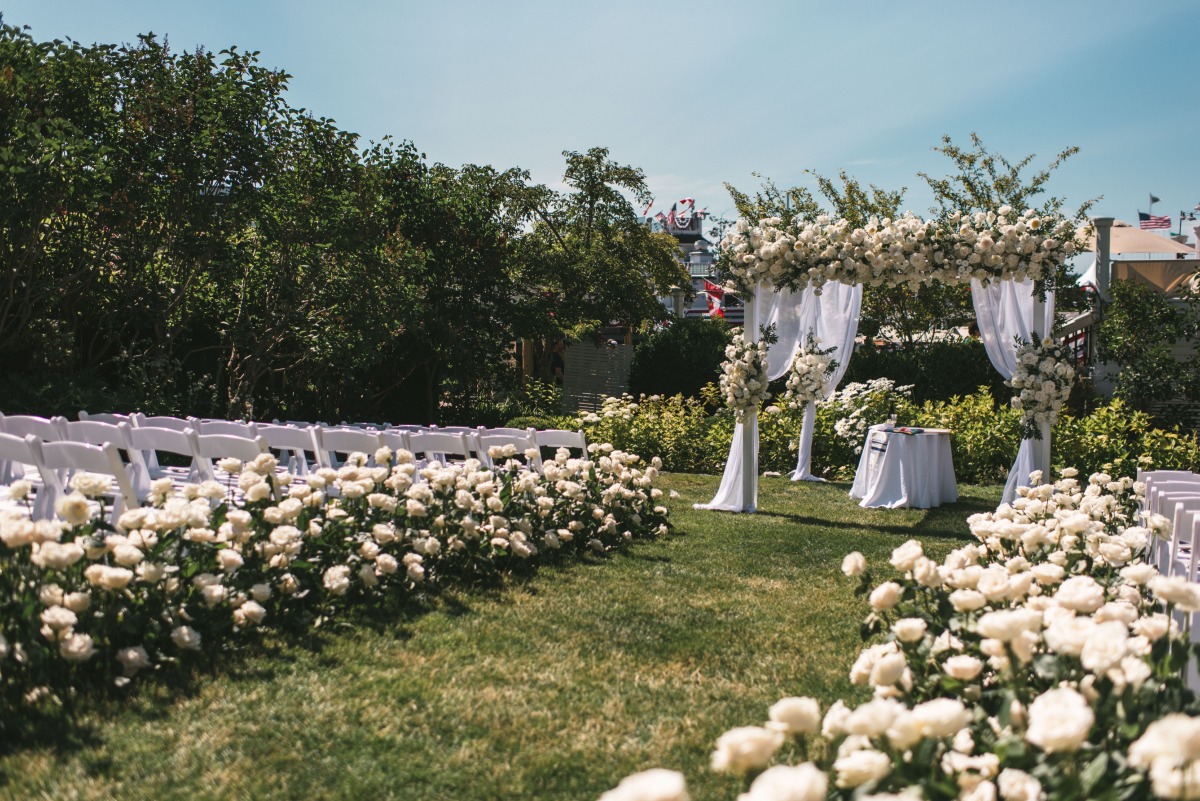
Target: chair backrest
(332,441)
(561,438)
(1162,489)
(105,417)
(96,432)
(222,446)
(164,421)
(15,452)
(396,438)
(144,446)
(522,441)
(63,459)
(47,429)
(231,428)
(439,444)
(295,443)
(512,432)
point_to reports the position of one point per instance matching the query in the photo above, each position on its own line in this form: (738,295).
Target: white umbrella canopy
(1128,239)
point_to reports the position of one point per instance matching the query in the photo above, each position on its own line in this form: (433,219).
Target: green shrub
(680,359)
(984,437)
(937,371)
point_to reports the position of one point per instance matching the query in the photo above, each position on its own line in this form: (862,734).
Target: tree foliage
(177,238)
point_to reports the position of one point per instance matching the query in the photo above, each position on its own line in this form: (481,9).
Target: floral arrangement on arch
(744,382)
(810,374)
(1042,382)
(1045,660)
(907,251)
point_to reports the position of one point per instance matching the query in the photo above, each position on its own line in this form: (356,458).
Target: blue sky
(704,92)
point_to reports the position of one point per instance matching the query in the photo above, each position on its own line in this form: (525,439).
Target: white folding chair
(164,421)
(45,429)
(1154,478)
(230,428)
(440,445)
(332,442)
(396,438)
(209,447)
(106,417)
(145,445)
(293,445)
(64,459)
(1162,489)
(27,450)
(522,441)
(1182,551)
(561,438)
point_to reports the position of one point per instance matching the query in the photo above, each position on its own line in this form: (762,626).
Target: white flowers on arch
(744,382)
(907,251)
(1042,382)
(1005,247)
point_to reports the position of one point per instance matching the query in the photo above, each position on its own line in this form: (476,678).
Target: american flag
(1150,221)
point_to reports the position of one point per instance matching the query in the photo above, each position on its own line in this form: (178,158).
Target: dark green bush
(937,371)
(681,359)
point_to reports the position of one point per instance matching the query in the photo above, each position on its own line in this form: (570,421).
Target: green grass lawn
(549,688)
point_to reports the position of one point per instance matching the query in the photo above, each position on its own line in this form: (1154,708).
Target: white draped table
(914,470)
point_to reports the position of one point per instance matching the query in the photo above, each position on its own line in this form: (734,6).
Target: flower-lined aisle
(196,573)
(1045,661)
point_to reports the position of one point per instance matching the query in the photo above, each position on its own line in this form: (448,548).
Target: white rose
(77,647)
(941,717)
(1017,785)
(795,716)
(337,579)
(861,767)
(967,600)
(854,564)
(909,629)
(745,748)
(804,782)
(1006,624)
(251,613)
(133,659)
(186,638)
(1059,720)
(1080,593)
(229,559)
(1174,737)
(74,509)
(656,784)
(904,557)
(874,717)
(1105,647)
(962,667)
(1178,591)
(885,596)
(1068,635)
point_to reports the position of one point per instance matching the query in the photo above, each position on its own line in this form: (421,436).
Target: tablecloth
(905,470)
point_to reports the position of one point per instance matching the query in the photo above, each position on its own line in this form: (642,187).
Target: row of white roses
(1042,383)
(194,570)
(908,251)
(809,376)
(1045,660)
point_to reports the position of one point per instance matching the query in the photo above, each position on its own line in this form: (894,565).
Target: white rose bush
(84,603)
(1041,384)
(908,251)
(1043,661)
(744,383)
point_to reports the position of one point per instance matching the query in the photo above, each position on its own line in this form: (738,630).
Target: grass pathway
(551,688)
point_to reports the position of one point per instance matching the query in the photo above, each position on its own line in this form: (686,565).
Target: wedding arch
(802,281)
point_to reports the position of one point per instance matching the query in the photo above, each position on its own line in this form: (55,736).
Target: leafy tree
(1152,340)
(680,359)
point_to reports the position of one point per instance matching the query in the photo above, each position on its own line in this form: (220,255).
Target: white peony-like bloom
(906,556)
(861,767)
(804,782)
(794,716)
(133,659)
(962,667)
(885,596)
(1081,594)
(656,784)
(337,579)
(855,564)
(1060,720)
(909,629)
(77,647)
(1017,785)
(941,717)
(745,748)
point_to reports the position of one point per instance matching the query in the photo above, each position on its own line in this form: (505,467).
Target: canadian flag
(713,289)
(714,305)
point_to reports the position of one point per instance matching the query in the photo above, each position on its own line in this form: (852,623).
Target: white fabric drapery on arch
(833,316)
(1006,310)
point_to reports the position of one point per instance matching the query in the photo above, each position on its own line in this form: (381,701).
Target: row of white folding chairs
(96,447)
